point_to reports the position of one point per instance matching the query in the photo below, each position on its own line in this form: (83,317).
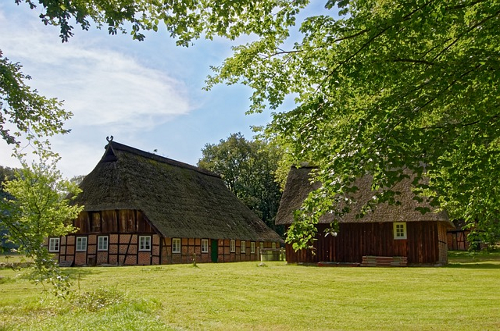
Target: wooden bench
(384,261)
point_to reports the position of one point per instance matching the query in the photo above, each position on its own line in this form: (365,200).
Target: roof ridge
(118,146)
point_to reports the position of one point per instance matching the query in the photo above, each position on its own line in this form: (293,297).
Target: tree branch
(465,33)
(413,61)
(370,40)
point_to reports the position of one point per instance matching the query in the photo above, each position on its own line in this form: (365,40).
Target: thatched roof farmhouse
(142,208)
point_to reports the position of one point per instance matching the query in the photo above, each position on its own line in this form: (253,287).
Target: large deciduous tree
(381,87)
(248,168)
(388,87)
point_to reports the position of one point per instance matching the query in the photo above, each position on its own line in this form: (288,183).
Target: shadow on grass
(74,273)
(474,260)
(474,265)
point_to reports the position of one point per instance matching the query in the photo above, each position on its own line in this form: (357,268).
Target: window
(399,230)
(204,245)
(144,243)
(81,244)
(274,245)
(54,245)
(176,245)
(243,246)
(252,247)
(232,246)
(102,243)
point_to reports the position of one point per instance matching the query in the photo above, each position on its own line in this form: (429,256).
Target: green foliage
(31,114)
(387,88)
(247,168)
(36,208)
(184,20)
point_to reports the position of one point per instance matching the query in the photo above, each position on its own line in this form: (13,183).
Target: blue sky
(146,94)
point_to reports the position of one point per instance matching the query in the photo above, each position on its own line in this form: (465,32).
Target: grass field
(462,296)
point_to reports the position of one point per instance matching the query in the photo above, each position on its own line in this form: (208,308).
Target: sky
(147,94)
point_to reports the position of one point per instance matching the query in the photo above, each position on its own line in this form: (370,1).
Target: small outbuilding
(144,209)
(457,236)
(391,235)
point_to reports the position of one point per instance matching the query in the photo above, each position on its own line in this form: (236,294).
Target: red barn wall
(425,243)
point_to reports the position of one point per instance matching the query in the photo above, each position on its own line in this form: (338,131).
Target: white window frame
(204,245)
(144,243)
(54,245)
(102,243)
(232,245)
(400,232)
(176,245)
(243,247)
(252,247)
(81,244)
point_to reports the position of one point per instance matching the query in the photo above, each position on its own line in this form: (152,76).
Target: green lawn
(463,296)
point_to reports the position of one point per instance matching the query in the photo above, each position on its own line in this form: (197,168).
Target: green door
(215,250)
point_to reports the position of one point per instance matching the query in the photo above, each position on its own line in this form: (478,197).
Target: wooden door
(215,250)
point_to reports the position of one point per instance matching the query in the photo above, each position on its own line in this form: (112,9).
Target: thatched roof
(180,200)
(298,187)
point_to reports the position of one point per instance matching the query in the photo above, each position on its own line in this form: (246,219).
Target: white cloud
(109,90)
(100,86)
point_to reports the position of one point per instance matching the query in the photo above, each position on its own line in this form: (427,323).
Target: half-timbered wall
(425,244)
(123,229)
(122,250)
(191,249)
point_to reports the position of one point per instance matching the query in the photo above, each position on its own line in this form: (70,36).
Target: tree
(387,87)
(381,87)
(37,206)
(247,168)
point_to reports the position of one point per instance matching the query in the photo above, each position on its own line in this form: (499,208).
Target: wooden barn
(144,209)
(391,235)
